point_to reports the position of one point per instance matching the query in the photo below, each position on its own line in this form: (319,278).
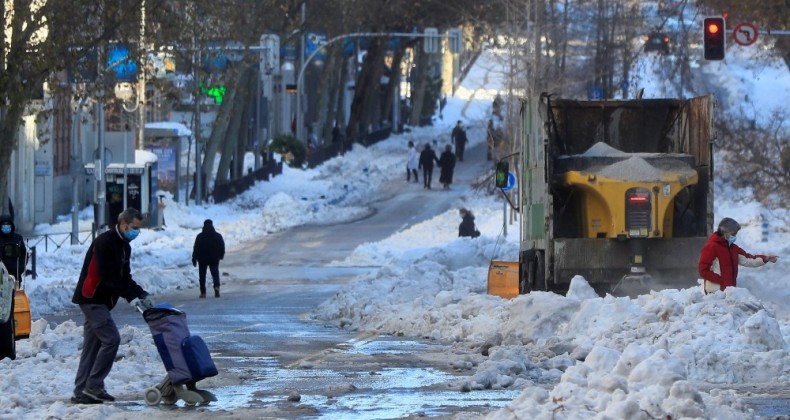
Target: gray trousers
(99,346)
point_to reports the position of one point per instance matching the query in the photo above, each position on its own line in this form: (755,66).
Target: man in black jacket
(459,138)
(105,277)
(13,251)
(208,250)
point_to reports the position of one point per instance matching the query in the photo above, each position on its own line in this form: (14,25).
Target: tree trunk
(334,84)
(235,124)
(419,86)
(217,134)
(394,82)
(371,111)
(359,119)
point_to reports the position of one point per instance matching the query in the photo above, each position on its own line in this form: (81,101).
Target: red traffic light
(713,38)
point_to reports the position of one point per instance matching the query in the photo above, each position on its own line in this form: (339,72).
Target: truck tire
(7,337)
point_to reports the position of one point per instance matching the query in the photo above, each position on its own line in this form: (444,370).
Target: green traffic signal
(502,169)
(215,92)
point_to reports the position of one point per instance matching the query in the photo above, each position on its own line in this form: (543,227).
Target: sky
(575,356)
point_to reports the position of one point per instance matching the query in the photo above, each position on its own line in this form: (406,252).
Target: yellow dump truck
(619,191)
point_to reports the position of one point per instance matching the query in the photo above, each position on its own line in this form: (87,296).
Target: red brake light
(637,198)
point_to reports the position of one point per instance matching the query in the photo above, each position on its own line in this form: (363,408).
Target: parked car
(658,41)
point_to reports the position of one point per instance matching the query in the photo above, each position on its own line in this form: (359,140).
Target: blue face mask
(6,229)
(731,239)
(131,234)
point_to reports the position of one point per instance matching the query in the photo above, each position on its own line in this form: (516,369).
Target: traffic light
(713,38)
(501,175)
(215,92)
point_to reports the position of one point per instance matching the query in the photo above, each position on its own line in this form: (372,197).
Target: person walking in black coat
(459,139)
(467,226)
(208,250)
(13,252)
(427,158)
(106,276)
(447,163)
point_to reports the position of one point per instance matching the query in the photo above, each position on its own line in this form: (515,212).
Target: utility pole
(196,131)
(76,167)
(98,170)
(141,87)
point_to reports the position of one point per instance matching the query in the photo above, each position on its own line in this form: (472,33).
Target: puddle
(349,391)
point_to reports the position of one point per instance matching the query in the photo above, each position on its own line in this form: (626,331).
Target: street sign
(511,182)
(313,42)
(745,34)
(120,62)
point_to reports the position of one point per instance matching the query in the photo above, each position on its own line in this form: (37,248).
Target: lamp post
(131,110)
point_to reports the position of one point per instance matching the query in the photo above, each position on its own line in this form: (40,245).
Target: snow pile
(39,383)
(613,355)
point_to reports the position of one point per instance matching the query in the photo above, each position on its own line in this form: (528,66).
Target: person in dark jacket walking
(459,138)
(720,258)
(13,252)
(447,163)
(427,158)
(105,277)
(208,250)
(467,226)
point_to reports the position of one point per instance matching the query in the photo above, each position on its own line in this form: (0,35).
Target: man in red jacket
(720,257)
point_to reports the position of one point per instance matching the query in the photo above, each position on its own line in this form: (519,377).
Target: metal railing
(58,239)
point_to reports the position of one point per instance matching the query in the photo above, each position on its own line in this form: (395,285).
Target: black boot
(216,292)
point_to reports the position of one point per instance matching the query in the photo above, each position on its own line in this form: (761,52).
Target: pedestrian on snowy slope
(105,277)
(720,257)
(447,163)
(412,163)
(427,158)
(208,250)
(459,138)
(467,226)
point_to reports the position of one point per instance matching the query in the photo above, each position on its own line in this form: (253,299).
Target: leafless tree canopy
(573,48)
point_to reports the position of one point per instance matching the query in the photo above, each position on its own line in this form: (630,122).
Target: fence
(58,239)
(227,190)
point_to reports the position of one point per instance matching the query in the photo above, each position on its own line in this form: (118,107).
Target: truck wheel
(7,337)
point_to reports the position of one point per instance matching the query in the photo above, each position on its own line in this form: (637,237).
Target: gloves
(141,304)
(194,262)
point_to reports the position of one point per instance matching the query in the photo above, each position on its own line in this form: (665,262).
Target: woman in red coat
(720,258)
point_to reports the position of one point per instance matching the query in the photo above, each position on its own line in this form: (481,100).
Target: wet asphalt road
(275,363)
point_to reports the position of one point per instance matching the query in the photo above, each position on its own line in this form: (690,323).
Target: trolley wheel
(153,396)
